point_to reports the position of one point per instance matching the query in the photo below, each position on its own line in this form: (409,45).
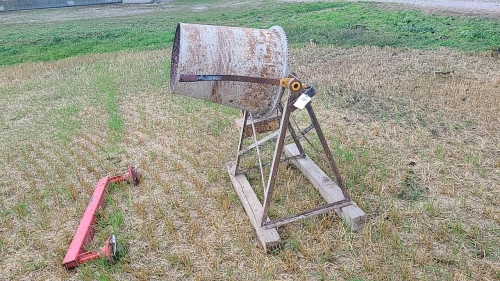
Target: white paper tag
(301,102)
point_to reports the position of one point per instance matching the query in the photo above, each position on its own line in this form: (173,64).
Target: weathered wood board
(331,192)
(269,238)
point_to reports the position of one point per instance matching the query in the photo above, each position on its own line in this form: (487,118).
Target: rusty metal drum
(220,50)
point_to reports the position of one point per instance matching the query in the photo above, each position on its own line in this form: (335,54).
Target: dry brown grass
(420,154)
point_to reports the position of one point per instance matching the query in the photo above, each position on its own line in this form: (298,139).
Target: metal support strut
(298,97)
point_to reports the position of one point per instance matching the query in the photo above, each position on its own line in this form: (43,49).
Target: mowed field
(414,133)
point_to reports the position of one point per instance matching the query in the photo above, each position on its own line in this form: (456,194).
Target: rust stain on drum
(215,95)
(220,50)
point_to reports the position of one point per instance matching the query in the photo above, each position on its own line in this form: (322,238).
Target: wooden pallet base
(269,238)
(331,192)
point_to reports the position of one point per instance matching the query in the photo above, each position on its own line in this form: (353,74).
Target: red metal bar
(75,254)
(85,230)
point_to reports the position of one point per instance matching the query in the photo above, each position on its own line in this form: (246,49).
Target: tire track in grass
(107,92)
(100,151)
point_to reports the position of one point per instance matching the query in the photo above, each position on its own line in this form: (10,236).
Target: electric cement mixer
(247,69)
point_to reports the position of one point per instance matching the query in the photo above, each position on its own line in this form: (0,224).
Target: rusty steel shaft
(288,83)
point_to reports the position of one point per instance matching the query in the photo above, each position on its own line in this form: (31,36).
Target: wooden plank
(269,238)
(331,192)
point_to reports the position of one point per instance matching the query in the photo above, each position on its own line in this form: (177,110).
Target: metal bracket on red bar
(85,231)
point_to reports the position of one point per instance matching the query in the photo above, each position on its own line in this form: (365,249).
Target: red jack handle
(85,231)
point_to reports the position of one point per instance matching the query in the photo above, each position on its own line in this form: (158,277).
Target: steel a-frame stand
(334,194)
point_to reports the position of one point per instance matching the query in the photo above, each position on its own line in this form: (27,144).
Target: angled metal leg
(258,152)
(268,193)
(240,145)
(327,151)
(296,139)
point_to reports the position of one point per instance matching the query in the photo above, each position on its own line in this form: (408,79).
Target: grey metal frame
(285,126)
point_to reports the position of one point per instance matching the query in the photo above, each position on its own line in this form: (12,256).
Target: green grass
(339,23)
(360,24)
(107,95)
